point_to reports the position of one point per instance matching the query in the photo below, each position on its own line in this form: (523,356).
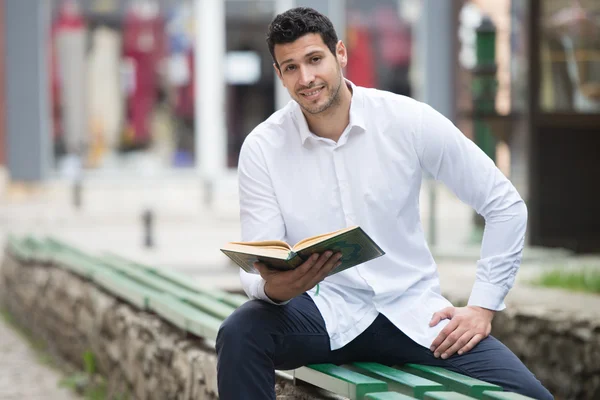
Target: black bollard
(77,188)
(148,222)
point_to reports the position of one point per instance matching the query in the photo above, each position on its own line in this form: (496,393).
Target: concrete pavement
(22,375)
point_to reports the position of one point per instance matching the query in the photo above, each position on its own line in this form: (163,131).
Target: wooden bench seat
(200,312)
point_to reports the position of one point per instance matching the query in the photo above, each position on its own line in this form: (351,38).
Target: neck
(330,124)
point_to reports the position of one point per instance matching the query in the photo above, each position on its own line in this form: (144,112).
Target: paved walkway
(22,375)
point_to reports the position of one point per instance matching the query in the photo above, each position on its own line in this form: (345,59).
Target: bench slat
(185,317)
(18,249)
(387,396)
(198,300)
(399,381)
(452,380)
(231,299)
(340,380)
(124,288)
(75,264)
(504,396)
(446,396)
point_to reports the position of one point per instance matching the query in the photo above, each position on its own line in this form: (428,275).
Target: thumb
(446,313)
(262,269)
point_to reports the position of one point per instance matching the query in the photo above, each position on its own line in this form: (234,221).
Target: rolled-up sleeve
(260,215)
(450,157)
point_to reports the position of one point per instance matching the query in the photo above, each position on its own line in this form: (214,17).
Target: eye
(290,68)
(315,60)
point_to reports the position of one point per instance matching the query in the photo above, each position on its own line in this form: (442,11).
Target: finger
(459,344)
(333,262)
(262,269)
(313,273)
(306,266)
(446,313)
(471,343)
(449,342)
(448,329)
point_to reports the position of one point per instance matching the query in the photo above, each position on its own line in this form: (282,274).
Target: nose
(307,77)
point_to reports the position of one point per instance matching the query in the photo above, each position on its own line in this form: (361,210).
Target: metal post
(77,190)
(434,52)
(485,85)
(148,225)
(484,92)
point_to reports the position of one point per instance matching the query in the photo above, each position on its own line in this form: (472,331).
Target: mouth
(312,93)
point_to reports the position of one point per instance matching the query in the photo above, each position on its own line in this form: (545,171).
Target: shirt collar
(356,114)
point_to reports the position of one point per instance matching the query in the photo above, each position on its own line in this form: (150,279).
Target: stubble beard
(334,99)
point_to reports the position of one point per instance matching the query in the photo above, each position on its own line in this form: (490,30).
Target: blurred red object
(361,64)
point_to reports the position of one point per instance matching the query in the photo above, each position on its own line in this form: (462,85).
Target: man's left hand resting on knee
(468,326)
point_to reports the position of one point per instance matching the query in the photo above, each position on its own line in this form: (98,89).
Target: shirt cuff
(488,296)
(261,295)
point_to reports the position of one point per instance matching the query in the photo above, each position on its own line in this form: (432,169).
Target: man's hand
(468,326)
(281,286)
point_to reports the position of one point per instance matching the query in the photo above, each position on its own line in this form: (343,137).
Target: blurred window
(570,56)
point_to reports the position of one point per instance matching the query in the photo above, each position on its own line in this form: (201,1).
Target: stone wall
(562,350)
(561,347)
(141,354)
(136,351)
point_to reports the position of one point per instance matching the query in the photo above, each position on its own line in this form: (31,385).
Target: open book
(354,244)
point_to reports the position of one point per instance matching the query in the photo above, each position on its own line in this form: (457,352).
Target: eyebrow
(308,55)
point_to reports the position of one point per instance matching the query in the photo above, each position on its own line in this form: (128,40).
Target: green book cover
(354,244)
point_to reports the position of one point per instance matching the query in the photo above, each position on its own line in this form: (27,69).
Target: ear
(341,54)
(278,72)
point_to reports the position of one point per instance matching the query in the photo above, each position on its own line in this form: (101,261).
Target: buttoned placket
(341,174)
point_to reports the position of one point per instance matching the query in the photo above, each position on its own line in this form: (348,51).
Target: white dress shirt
(294,184)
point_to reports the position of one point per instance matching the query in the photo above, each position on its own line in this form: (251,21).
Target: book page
(265,251)
(267,244)
(304,243)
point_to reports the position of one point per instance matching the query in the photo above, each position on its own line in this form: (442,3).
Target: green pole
(484,96)
(485,86)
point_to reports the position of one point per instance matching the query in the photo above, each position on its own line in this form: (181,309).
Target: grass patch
(580,280)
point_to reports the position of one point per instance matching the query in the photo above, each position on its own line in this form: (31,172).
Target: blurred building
(116,87)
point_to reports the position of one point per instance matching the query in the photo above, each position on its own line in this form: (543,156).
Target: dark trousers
(260,337)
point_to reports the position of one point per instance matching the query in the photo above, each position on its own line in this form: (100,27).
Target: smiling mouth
(312,93)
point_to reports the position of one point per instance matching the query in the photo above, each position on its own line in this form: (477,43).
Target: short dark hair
(297,22)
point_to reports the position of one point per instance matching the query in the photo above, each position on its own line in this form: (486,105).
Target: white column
(211,133)
(434,42)
(282,97)
(337,15)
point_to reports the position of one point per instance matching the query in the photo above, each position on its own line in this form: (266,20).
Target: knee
(530,386)
(242,327)
(538,391)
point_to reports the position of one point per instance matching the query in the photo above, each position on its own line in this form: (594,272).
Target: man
(342,155)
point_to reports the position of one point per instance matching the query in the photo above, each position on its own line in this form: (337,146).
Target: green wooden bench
(200,312)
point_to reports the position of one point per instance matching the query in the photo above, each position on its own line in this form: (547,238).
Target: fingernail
(328,254)
(432,348)
(460,352)
(436,355)
(444,356)
(339,256)
(315,256)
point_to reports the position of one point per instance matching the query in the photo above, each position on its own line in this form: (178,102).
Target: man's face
(310,72)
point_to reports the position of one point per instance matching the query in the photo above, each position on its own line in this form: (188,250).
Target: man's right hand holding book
(281,286)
